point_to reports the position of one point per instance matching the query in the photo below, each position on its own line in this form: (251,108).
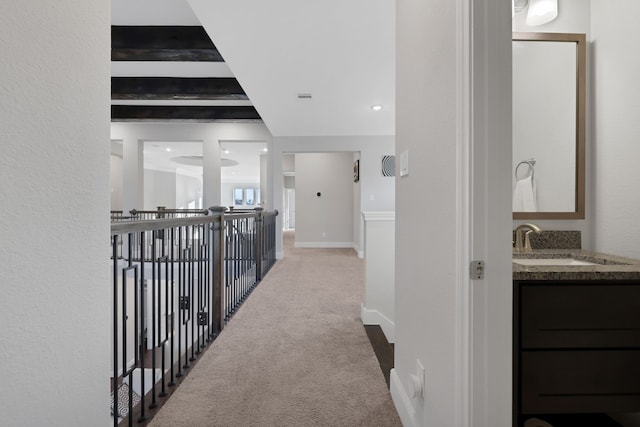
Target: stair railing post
(258,243)
(218,256)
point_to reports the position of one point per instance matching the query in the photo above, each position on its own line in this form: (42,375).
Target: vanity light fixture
(376,107)
(518,6)
(542,11)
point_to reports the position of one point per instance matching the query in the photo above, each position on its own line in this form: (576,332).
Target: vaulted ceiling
(247,60)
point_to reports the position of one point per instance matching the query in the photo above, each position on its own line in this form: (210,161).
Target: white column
(277,184)
(211,180)
(264,182)
(132,174)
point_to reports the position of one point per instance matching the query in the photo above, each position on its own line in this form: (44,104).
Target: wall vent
(388,165)
(304,96)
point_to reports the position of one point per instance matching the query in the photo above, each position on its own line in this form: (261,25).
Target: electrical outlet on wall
(415,385)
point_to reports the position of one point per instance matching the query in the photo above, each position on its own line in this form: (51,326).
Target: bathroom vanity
(576,334)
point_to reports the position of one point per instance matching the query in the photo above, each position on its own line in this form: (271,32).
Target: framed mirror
(549,108)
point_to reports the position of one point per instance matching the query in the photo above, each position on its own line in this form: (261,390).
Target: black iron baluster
(198,269)
(229,262)
(143,416)
(210,281)
(125,371)
(238,269)
(152,304)
(115,329)
(192,301)
(162,342)
(181,280)
(173,313)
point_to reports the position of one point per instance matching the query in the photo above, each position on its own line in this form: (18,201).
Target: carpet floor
(295,354)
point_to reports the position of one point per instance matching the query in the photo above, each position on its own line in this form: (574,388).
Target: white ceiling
(340,51)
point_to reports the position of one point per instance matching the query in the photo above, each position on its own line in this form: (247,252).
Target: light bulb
(542,11)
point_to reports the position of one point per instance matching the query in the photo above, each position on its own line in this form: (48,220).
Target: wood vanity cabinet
(576,347)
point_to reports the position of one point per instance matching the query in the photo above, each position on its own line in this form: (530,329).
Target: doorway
(289,208)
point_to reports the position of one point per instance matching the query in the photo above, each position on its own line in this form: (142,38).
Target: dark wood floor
(382,348)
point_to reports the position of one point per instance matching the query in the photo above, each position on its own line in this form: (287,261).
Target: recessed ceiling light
(265,149)
(225,151)
(376,107)
(168,149)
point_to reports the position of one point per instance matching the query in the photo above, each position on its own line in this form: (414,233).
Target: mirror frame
(581,94)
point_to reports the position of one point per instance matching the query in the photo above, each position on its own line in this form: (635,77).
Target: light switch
(404,163)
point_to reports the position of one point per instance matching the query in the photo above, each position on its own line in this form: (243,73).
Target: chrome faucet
(525,247)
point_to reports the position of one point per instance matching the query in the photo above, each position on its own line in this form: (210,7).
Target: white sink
(551,261)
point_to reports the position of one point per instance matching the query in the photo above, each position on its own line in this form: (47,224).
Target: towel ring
(530,162)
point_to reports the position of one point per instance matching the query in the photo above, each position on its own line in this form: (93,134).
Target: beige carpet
(296,354)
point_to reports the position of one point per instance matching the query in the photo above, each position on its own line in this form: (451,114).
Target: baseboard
(402,401)
(323,244)
(359,251)
(374,317)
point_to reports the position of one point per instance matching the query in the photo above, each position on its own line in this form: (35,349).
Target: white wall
(54,116)
(159,190)
(325,220)
(616,151)
(289,163)
(426,206)
(188,189)
(209,133)
(264,180)
(358,224)
(574,16)
(378,307)
(377,193)
(115,174)
(169,189)
(453,103)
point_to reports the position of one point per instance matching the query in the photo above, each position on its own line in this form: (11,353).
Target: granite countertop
(609,267)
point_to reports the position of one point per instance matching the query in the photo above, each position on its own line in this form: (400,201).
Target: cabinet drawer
(580,381)
(580,316)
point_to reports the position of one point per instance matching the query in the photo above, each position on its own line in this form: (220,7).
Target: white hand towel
(524,196)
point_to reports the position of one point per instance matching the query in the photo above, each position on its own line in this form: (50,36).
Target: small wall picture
(356,171)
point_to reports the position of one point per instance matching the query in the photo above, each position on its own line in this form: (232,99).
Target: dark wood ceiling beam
(182,113)
(162,43)
(174,88)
